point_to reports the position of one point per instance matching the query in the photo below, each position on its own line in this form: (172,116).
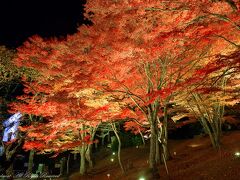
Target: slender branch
(139,123)
(128,92)
(138,105)
(147,72)
(224,18)
(232,43)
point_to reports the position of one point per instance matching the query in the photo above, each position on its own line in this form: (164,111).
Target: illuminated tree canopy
(136,59)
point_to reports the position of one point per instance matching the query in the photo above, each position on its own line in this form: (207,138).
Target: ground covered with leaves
(192,159)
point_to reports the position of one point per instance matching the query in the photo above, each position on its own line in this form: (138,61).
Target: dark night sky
(20,19)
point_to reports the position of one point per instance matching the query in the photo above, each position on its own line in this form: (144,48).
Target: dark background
(20,19)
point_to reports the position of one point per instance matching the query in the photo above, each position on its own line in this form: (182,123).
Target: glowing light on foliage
(159,50)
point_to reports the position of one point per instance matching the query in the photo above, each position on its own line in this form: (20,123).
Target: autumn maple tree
(143,53)
(159,48)
(207,101)
(60,114)
(68,110)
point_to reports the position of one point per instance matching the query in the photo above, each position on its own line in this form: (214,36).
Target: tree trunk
(119,146)
(9,152)
(30,161)
(153,152)
(216,135)
(103,141)
(82,150)
(9,170)
(212,123)
(103,135)
(68,160)
(165,136)
(109,137)
(96,145)
(82,159)
(157,158)
(89,155)
(75,156)
(89,147)
(208,131)
(143,140)
(62,165)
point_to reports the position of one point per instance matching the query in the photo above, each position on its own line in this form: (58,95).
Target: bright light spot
(136,146)
(113,153)
(108,175)
(145,136)
(112,159)
(237,154)
(141,178)
(195,145)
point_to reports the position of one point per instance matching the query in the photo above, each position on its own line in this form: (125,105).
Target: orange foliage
(144,50)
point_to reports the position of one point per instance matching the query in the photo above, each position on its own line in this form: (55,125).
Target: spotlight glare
(113,153)
(237,154)
(112,159)
(141,178)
